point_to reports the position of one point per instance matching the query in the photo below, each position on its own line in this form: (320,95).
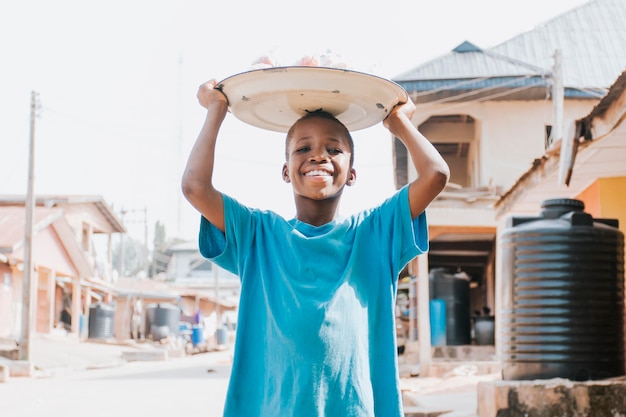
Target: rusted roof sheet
(53,240)
(13,225)
(114,225)
(601,154)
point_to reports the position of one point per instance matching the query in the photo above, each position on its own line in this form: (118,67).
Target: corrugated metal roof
(592,39)
(470,61)
(60,200)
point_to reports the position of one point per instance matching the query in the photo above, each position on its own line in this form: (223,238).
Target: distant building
(66,278)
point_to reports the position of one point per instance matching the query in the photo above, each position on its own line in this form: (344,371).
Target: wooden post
(423,314)
(51,286)
(76,306)
(558,94)
(27,277)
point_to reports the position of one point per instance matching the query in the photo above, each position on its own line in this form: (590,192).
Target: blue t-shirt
(316,321)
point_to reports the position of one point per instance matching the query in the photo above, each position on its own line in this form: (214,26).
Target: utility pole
(121,259)
(145,241)
(27,275)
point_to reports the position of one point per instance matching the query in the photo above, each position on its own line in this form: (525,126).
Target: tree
(129,257)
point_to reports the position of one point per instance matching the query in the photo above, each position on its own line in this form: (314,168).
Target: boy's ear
(286,173)
(351,177)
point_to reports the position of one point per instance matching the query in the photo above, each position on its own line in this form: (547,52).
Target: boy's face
(318,159)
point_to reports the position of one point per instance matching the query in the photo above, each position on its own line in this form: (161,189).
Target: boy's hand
(207,94)
(400,112)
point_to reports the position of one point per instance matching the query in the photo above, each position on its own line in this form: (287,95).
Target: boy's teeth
(317,173)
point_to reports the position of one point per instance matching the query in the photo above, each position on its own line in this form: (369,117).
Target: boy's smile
(318,173)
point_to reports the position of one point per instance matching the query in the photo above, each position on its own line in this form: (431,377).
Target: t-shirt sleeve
(221,247)
(392,225)
(211,240)
(414,239)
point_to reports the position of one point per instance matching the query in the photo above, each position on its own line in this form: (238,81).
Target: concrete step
(554,397)
(445,369)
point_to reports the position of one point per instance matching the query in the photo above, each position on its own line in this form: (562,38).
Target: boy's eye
(303,149)
(335,151)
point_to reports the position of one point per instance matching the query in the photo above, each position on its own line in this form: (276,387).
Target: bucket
(221,336)
(197,335)
(484,330)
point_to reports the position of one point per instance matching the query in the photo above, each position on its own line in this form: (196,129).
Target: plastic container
(455,291)
(562,312)
(484,330)
(197,335)
(438,327)
(101,321)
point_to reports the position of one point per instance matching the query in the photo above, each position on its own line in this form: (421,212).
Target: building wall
(613,200)
(591,198)
(510,134)
(605,199)
(447,132)
(6,302)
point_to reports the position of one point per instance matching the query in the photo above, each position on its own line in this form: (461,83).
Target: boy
(316,332)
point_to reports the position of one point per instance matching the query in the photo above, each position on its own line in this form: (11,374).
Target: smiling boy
(316,323)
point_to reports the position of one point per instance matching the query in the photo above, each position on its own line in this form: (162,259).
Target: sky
(116,83)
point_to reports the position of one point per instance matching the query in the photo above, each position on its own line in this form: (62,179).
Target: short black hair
(322,115)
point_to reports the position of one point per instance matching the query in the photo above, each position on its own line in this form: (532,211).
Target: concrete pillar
(423,314)
(76,306)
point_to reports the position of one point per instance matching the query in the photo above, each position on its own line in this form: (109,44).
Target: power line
(141,133)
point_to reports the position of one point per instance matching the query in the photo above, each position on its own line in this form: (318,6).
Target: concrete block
(4,373)
(21,368)
(176,353)
(10,353)
(145,355)
(552,397)
(417,412)
(447,369)
(464,353)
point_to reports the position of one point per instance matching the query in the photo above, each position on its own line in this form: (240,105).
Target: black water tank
(162,320)
(101,321)
(455,291)
(563,295)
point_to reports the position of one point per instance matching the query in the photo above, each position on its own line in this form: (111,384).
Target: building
(67,275)
(492,113)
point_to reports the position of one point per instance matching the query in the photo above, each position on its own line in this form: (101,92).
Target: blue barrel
(197,335)
(438,322)
(83,329)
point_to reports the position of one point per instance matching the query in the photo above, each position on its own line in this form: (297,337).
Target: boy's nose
(319,156)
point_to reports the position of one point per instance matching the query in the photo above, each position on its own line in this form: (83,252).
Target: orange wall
(606,199)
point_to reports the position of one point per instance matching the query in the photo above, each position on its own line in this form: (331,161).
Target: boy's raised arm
(432,170)
(197,181)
